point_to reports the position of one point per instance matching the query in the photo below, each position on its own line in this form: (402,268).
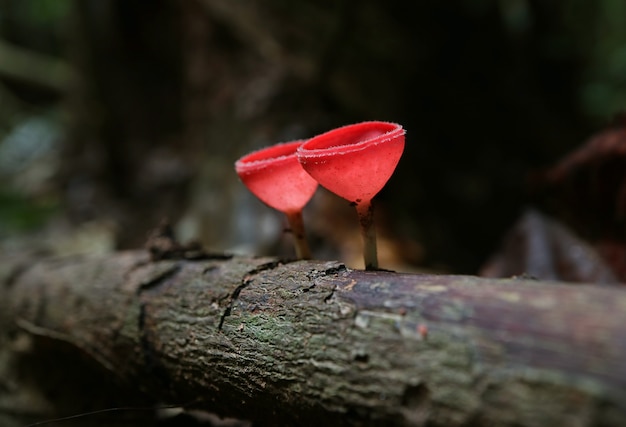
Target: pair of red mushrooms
(353,161)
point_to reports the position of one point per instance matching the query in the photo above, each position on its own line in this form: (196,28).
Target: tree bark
(311,342)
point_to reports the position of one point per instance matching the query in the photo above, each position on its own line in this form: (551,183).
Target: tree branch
(34,68)
(303,343)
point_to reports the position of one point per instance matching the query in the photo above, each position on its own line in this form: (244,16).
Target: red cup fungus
(355,162)
(275,176)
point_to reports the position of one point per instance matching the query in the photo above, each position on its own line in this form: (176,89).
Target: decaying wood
(303,343)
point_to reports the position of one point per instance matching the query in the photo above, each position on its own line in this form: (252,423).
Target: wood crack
(247,279)
(159,278)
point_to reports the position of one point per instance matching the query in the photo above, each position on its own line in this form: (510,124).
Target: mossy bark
(308,342)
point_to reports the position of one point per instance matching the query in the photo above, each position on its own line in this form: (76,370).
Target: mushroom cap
(354,161)
(275,176)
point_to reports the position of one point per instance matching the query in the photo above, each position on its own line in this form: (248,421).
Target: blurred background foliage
(116,114)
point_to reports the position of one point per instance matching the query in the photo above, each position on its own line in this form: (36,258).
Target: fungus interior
(354,161)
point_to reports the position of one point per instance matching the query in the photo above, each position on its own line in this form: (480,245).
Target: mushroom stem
(296,224)
(365,211)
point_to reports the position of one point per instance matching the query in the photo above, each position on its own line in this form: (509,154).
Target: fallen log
(312,342)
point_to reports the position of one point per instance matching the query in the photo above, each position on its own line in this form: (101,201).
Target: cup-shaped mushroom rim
(350,138)
(268,157)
